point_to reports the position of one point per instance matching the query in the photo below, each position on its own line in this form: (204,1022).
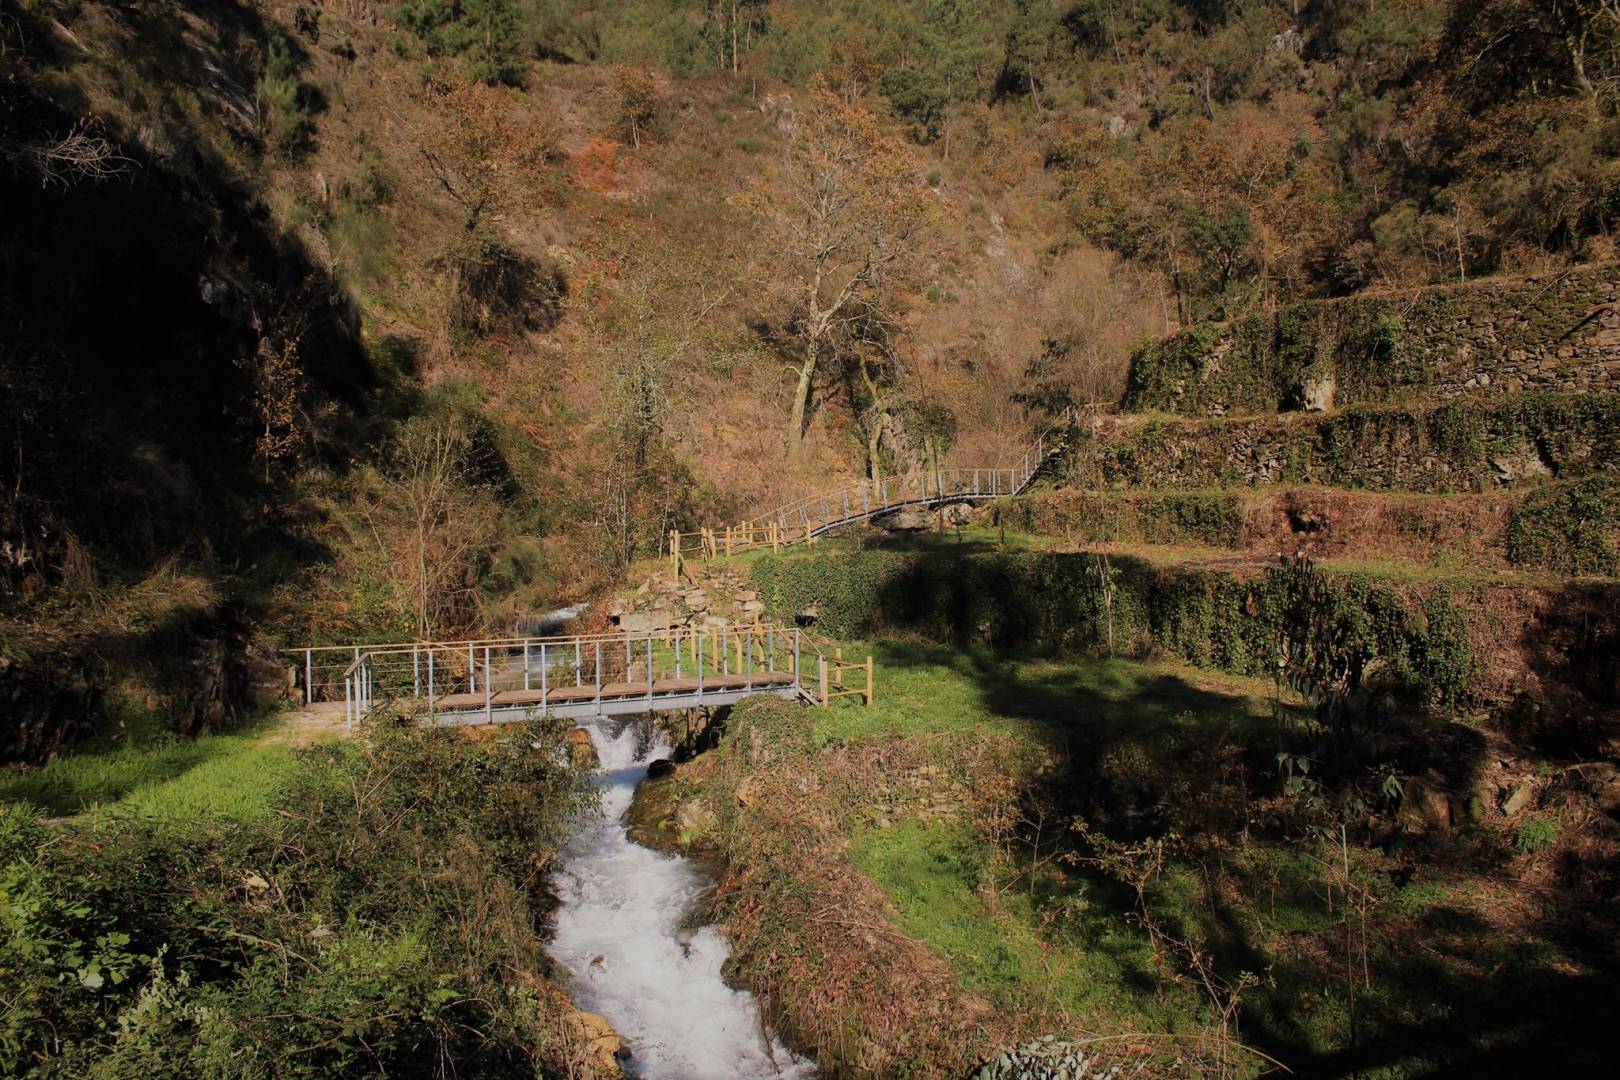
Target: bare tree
(853,207)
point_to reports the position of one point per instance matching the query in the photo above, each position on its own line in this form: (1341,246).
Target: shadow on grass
(1142,750)
(76,782)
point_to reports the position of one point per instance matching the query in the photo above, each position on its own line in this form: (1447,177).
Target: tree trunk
(801,399)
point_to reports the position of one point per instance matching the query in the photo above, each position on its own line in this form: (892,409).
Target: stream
(620,931)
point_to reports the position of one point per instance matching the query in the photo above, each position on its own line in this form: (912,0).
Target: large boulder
(906,521)
(1425,808)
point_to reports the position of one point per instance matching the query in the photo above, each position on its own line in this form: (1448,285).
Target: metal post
(628,660)
(649,673)
(430,682)
(309,676)
(579,667)
(416,671)
(599,678)
(348,703)
(472,671)
(545,690)
(700,667)
(489,684)
(525,666)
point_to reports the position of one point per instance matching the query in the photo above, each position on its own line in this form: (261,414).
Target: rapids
(619,931)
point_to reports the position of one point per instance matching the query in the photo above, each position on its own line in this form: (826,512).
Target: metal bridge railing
(502,678)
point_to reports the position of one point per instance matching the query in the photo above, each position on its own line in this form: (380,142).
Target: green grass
(939,882)
(228,777)
(926,689)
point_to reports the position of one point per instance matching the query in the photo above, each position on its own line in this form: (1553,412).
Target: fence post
(871,687)
(525,667)
(822,661)
(309,676)
(579,665)
(489,688)
(431,694)
(675,551)
(796,657)
(348,703)
(598,678)
(697,644)
(545,688)
(649,673)
(677,652)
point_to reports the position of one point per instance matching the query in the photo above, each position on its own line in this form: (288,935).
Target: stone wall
(1481,339)
(1461,445)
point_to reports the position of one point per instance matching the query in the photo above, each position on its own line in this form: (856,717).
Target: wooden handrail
(794,522)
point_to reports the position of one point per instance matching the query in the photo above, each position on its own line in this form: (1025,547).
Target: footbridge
(500,680)
(802,521)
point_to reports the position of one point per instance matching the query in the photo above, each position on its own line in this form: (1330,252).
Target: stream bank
(622,932)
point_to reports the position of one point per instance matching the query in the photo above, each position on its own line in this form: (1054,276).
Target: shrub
(1061,603)
(1535,835)
(1570,528)
(379,922)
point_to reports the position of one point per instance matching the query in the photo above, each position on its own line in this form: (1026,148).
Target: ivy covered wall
(1067,603)
(1480,339)
(1455,446)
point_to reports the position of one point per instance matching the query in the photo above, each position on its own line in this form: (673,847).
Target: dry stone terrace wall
(1455,446)
(1484,339)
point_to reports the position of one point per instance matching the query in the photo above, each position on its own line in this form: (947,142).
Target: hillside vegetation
(354,321)
(412,316)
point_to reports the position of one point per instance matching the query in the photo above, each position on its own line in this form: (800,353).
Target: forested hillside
(357,319)
(348,322)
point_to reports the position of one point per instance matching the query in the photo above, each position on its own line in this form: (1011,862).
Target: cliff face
(147,294)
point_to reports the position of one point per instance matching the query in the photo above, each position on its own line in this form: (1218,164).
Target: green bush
(374,925)
(1535,835)
(1213,518)
(1571,528)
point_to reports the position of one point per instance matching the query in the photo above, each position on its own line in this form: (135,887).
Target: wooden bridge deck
(508,699)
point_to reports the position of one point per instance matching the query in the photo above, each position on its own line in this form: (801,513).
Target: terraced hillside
(1296,726)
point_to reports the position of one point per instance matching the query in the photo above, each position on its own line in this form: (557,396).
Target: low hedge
(1051,603)
(1214,518)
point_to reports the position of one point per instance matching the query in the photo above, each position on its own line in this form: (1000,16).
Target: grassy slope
(227,777)
(1439,937)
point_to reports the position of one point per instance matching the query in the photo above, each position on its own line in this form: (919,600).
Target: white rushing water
(619,932)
